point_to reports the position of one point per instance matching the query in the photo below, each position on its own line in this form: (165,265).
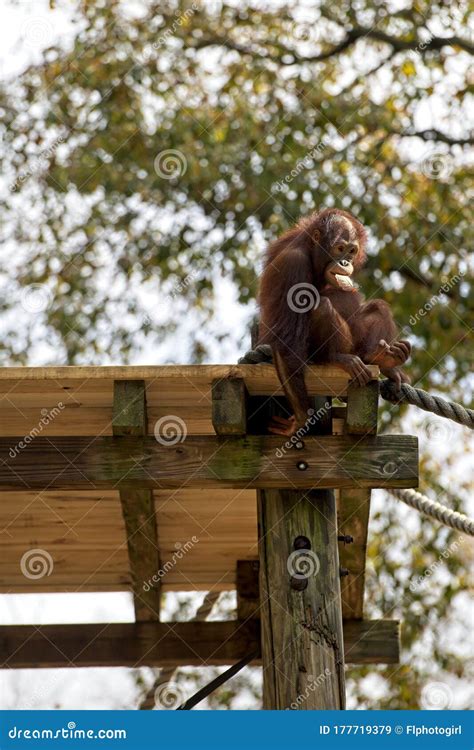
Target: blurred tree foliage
(166,147)
(160,150)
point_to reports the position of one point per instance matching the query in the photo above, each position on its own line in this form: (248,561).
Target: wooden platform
(202,533)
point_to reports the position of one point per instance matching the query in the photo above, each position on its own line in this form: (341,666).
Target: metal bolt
(298,584)
(299,445)
(302,465)
(301,542)
(343,572)
(346,538)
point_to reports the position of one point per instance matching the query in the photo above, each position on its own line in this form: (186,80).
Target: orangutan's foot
(282,426)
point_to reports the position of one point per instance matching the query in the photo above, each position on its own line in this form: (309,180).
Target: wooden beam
(160,644)
(362,409)
(354,503)
(138,508)
(229,406)
(248,593)
(259,379)
(207,461)
(300,600)
(302,641)
(354,511)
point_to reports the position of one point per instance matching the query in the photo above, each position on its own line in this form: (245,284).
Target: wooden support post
(354,503)
(301,622)
(138,508)
(248,594)
(362,409)
(229,406)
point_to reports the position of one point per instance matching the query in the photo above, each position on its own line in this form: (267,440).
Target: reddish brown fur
(341,329)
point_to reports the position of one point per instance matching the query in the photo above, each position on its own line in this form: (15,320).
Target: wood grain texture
(362,409)
(138,508)
(354,503)
(229,406)
(302,644)
(259,379)
(72,463)
(84,532)
(170,644)
(248,590)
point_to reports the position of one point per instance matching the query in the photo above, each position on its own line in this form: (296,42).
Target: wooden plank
(162,644)
(259,379)
(354,503)
(248,462)
(248,593)
(72,421)
(138,507)
(229,406)
(84,533)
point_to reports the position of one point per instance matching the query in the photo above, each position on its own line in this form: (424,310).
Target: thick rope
(424,400)
(416,396)
(166,675)
(433,509)
(388,390)
(261,354)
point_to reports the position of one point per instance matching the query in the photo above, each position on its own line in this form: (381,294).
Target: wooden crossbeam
(202,462)
(160,644)
(138,509)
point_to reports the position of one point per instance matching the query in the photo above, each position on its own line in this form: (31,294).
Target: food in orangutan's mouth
(344,281)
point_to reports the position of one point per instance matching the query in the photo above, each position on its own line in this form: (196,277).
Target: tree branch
(437,135)
(352,36)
